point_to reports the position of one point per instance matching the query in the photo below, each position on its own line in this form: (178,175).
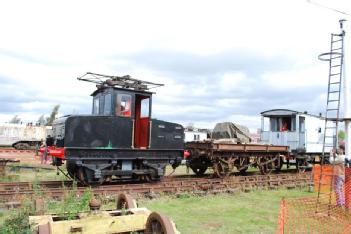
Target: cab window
(107,104)
(145,108)
(124,103)
(101,105)
(96,103)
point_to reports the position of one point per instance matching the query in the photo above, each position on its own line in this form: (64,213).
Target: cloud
(224,61)
(230,85)
(189,64)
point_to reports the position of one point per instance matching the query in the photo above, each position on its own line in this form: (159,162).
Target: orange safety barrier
(330,212)
(348,189)
(325,180)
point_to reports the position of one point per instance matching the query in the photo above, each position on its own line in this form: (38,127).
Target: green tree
(52,117)
(41,120)
(341,135)
(15,119)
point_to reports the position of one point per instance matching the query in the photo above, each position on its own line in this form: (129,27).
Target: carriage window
(145,104)
(286,124)
(275,124)
(96,106)
(302,124)
(107,104)
(293,124)
(124,102)
(266,125)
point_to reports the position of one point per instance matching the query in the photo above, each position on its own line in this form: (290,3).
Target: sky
(219,60)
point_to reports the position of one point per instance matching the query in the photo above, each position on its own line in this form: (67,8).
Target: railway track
(12,150)
(172,185)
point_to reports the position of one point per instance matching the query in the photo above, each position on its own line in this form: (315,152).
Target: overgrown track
(57,189)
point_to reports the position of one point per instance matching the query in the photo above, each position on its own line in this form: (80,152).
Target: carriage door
(302,138)
(142,121)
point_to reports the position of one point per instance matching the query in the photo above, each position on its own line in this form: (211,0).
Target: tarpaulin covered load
(232,132)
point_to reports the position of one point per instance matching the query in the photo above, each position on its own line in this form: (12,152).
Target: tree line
(42,120)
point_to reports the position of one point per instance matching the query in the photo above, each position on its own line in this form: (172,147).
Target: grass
(14,174)
(255,212)
(16,220)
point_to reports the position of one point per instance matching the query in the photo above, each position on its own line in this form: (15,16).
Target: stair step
(336,40)
(337,49)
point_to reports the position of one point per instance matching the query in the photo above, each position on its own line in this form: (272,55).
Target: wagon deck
(239,148)
(223,157)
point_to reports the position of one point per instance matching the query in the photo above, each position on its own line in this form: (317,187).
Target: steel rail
(58,189)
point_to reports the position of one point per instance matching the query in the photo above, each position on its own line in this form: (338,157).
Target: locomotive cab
(119,140)
(131,108)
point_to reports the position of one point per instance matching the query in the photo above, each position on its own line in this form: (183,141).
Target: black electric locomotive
(119,140)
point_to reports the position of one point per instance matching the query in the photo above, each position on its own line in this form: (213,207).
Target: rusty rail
(12,150)
(56,190)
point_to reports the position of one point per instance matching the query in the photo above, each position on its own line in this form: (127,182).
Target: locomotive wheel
(159,224)
(125,201)
(80,175)
(154,177)
(86,177)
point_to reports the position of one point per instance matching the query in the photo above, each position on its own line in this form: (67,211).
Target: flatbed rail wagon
(224,157)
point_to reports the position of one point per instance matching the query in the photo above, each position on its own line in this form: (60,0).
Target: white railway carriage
(302,132)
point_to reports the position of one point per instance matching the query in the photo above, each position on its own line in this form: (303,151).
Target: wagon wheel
(221,170)
(125,201)
(243,166)
(198,166)
(159,224)
(278,164)
(243,171)
(301,165)
(265,168)
(199,171)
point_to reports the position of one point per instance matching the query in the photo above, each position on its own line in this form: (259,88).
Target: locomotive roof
(118,82)
(285,112)
(101,89)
